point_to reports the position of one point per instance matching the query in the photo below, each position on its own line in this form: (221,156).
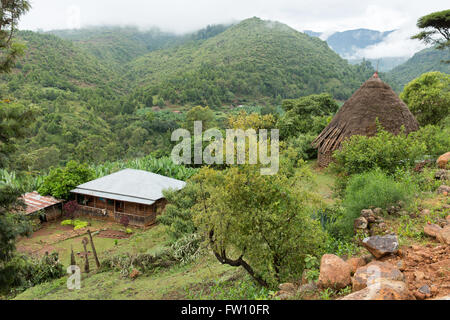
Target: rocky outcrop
(443,161)
(383,289)
(373,271)
(335,273)
(381,246)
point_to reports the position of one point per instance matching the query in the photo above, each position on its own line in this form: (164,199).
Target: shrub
(67,223)
(27,272)
(435,138)
(384,150)
(78,224)
(374,188)
(70,208)
(125,221)
(302,144)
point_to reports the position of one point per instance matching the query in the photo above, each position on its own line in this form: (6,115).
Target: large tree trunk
(240,262)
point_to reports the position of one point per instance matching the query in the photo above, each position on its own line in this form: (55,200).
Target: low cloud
(396,44)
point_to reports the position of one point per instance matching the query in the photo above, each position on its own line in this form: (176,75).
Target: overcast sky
(189,15)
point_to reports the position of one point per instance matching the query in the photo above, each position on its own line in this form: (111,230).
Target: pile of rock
(441,232)
(370,222)
(373,281)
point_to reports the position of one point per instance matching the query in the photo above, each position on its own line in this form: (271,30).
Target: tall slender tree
(14,118)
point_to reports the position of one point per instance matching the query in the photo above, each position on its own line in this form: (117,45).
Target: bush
(80,224)
(302,145)
(125,221)
(77,224)
(67,223)
(385,151)
(374,188)
(27,272)
(70,208)
(436,139)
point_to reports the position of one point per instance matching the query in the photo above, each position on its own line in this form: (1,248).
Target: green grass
(175,283)
(178,282)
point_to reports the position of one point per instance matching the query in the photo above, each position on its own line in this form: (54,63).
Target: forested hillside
(83,106)
(123,44)
(424,61)
(253,60)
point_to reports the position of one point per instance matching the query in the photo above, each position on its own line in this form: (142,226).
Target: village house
(42,208)
(135,194)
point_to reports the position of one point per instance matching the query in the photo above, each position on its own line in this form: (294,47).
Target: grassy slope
(178,282)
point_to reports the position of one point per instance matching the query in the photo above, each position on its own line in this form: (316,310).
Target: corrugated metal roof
(35,202)
(130,185)
(112,196)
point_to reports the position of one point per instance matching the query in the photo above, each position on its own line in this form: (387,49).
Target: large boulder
(373,271)
(432,230)
(443,160)
(380,246)
(444,235)
(356,263)
(335,273)
(383,289)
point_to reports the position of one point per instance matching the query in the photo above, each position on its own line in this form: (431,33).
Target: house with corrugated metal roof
(49,207)
(135,194)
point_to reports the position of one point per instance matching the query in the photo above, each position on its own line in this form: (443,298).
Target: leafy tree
(254,121)
(199,113)
(259,223)
(10,13)
(180,209)
(60,181)
(14,120)
(309,114)
(428,97)
(435,24)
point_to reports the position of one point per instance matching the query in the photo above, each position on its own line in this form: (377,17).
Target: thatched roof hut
(375,99)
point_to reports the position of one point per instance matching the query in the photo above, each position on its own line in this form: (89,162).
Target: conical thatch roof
(375,99)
